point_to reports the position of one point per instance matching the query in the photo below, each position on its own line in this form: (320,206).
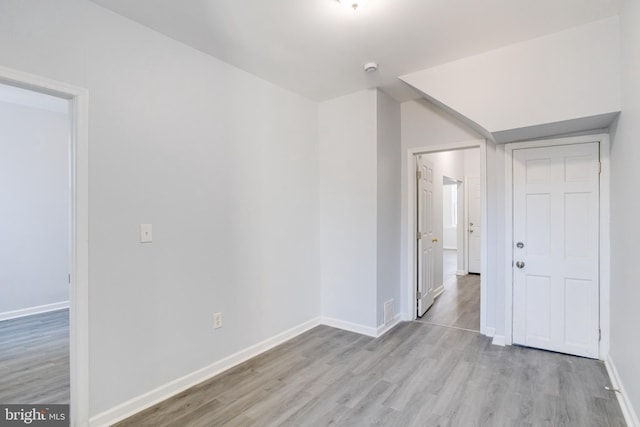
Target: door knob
(471,224)
(434,240)
(470,231)
(520,264)
(519,245)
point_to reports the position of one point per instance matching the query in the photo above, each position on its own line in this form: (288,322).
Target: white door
(425,234)
(555,252)
(474,229)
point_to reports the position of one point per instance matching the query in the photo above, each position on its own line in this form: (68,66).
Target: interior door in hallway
(474,229)
(556,249)
(425,235)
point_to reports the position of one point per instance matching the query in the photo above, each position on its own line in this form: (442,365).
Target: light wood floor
(416,375)
(459,305)
(34,359)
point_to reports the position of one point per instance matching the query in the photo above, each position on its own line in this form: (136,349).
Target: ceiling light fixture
(354,4)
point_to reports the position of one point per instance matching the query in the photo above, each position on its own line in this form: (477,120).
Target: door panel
(426,240)
(538,296)
(538,224)
(555,276)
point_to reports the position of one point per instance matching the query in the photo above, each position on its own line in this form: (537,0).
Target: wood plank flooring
(34,359)
(459,305)
(416,375)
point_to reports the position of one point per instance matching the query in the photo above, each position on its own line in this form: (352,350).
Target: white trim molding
(30,311)
(350,326)
(407,317)
(628,411)
(411,223)
(383,329)
(604,250)
(79,230)
(438,291)
(498,340)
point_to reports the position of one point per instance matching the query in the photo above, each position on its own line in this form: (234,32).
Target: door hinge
(419,295)
(599,335)
(69,278)
(418,235)
(418,175)
(599,168)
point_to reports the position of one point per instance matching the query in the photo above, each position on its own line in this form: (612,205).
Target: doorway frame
(78,231)
(412,260)
(604,232)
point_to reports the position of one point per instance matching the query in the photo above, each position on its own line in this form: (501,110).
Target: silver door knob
(470,231)
(519,245)
(520,264)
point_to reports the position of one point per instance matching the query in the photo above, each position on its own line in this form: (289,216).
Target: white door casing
(79,231)
(474,228)
(556,271)
(425,234)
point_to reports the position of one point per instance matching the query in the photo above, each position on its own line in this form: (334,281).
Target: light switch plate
(217,320)
(146,233)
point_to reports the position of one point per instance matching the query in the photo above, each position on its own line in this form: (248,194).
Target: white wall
(348,204)
(423,125)
(223,164)
(34,195)
(472,162)
(518,86)
(625,211)
(388,273)
(495,256)
(359,152)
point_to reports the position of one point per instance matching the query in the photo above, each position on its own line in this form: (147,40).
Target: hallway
(458,306)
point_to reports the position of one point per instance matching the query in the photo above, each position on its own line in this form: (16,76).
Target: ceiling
(317,48)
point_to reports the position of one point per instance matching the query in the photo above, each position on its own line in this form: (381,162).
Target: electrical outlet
(217,320)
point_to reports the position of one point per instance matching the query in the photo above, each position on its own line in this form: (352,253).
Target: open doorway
(452,228)
(75,278)
(449,238)
(35,247)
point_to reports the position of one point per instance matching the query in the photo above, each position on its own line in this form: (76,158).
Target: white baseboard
(383,329)
(406,317)
(461,273)
(499,340)
(30,311)
(139,403)
(628,411)
(348,326)
(490,332)
(438,291)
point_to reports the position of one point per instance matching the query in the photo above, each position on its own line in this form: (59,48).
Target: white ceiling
(317,47)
